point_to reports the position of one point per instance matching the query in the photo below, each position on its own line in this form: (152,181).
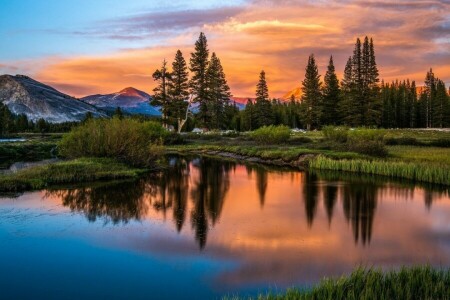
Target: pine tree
(331,96)
(262,91)
(178,90)
(357,78)
(430,91)
(412,104)
(348,108)
(440,105)
(373,111)
(248,121)
(198,84)
(118,113)
(6,120)
(263,107)
(160,96)
(312,96)
(218,92)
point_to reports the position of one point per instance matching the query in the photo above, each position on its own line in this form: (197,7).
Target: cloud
(277,36)
(154,23)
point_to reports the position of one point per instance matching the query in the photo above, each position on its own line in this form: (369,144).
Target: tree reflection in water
(198,188)
(310,196)
(116,203)
(208,195)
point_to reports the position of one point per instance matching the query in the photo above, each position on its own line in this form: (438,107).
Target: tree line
(11,124)
(359,99)
(207,90)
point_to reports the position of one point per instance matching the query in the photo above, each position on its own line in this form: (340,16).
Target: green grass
(73,171)
(440,156)
(36,147)
(407,283)
(285,153)
(395,169)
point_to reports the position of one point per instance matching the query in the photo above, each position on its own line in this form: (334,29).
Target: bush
(367,141)
(335,134)
(271,134)
(405,141)
(441,142)
(174,139)
(137,143)
(300,140)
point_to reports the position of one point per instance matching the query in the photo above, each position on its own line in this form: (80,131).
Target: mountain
(130,101)
(24,95)
(297,92)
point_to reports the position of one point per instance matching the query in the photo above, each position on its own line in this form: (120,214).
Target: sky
(88,47)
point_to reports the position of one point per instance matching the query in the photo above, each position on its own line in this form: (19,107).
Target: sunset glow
(107,47)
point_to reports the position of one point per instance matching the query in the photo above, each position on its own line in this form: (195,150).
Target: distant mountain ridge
(296,92)
(130,100)
(24,95)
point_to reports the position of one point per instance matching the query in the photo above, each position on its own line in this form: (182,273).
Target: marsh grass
(406,283)
(394,169)
(128,140)
(73,171)
(267,135)
(30,150)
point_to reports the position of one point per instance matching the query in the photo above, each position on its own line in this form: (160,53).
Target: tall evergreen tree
(440,106)
(6,120)
(248,120)
(161,96)
(178,90)
(312,96)
(198,84)
(357,78)
(348,109)
(218,92)
(430,91)
(331,96)
(373,110)
(263,107)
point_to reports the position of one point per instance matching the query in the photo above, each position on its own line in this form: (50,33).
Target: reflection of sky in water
(207,228)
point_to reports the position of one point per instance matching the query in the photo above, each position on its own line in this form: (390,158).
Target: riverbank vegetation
(98,149)
(406,283)
(131,141)
(72,171)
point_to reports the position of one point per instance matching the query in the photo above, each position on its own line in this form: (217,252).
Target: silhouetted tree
(312,96)
(198,84)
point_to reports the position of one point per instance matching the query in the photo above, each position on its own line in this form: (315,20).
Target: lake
(204,228)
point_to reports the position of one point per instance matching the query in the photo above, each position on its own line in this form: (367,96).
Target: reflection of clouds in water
(282,227)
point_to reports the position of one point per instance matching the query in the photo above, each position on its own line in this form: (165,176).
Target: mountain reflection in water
(193,191)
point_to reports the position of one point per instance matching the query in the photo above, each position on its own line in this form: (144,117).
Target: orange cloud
(276,37)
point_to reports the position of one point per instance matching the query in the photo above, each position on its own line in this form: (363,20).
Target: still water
(205,228)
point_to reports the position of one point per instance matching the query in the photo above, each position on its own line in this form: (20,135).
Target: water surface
(205,228)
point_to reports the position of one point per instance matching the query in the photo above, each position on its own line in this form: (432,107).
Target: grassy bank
(73,171)
(394,169)
(359,151)
(407,283)
(36,147)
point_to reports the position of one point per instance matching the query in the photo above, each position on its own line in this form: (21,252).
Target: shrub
(131,141)
(335,134)
(367,141)
(363,141)
(174,139)
(300,140)
(406,141)
(271,134)
(441,142)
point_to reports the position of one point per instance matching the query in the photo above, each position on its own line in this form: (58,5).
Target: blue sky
(36,28)
(101,46)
